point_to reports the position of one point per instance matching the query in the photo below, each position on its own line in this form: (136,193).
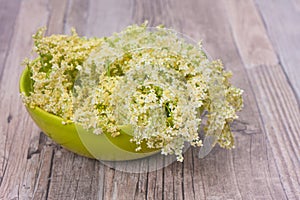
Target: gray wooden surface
(258,41)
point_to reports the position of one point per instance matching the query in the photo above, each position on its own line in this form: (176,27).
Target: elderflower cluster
(160,85)
(54,70)
(151,80)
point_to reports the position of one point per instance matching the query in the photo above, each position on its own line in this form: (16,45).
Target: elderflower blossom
(159,85)
(54,70)
(151,80)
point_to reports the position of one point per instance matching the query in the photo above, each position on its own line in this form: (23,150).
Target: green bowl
(80,141)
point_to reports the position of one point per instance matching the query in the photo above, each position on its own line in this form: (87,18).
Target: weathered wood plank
(57,16)
(193,177)
(277,105)
(73,177)
(76,16)
(250,34)
(108,16)
(31,181)
(8,13)
(282,22)
(36,176)
(155,185)
(281,116)
(18,130)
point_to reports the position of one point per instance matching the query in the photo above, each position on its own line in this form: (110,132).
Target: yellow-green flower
(152,80)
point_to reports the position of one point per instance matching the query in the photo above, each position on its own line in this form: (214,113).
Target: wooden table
(258,40)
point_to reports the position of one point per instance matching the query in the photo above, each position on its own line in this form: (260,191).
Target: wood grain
(278,107)
(8,13)
(108,16)
(265,163)
(281,117)
(19,133)
(250,34)
(282,22)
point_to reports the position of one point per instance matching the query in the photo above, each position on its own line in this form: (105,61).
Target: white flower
(154,81)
